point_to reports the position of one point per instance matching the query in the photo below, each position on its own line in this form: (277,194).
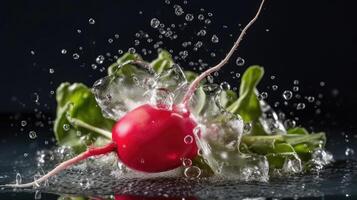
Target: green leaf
(298,130)
(247,105)
(163,62)
(190,75)
(76,101)
(122,66)
(227,98)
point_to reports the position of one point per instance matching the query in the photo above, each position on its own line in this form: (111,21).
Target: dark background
(309,41)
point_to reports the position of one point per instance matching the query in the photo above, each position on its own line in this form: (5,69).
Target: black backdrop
(311,41)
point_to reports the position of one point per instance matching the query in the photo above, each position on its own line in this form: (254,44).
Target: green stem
(82,124)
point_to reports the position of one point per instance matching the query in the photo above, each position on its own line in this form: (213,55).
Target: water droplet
(75,56)
(186,162)
(247,127)
(91,21)
(32,135)
(240,61)
(178,10)
(192,172)
(32,52)
(215,39)
(225,86)
(349,152)
(287,94)
(296,88)
(189,17)
(66,127)
(310,99)
(100,59)
(23,123)
(263,95)
(272,77)
(35,97)
(51,71)
(188,139)
(274,87)
(154,22)
(300,106)
(131,50)
(63,51)
(94,66)
(322,84)
(237,75)
(18,179)
(110,40)
(289,123)
(201,17)
(38,195)
(207,21)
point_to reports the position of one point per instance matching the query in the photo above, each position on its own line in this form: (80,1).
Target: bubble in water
(91,21)
(51,71)
(188,139)
(85,183)
(349,152)
(154,22)
(300,106)
(192,172)
(66,127)
(75,56)
(215,39)
(189,17)
(63,51)
(186,162)
(100,59)
(23,123)
(287,94)
(32,135)
(240,61)
(18,179)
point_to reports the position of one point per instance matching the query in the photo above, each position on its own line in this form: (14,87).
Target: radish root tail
(89,153)
(195,83)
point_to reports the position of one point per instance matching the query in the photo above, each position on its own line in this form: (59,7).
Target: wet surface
(337,181)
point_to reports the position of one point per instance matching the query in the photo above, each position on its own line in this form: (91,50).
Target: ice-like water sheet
(100,178)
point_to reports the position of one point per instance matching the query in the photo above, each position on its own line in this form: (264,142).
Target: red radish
(151,139)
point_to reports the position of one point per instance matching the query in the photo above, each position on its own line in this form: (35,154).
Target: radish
(150,138)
